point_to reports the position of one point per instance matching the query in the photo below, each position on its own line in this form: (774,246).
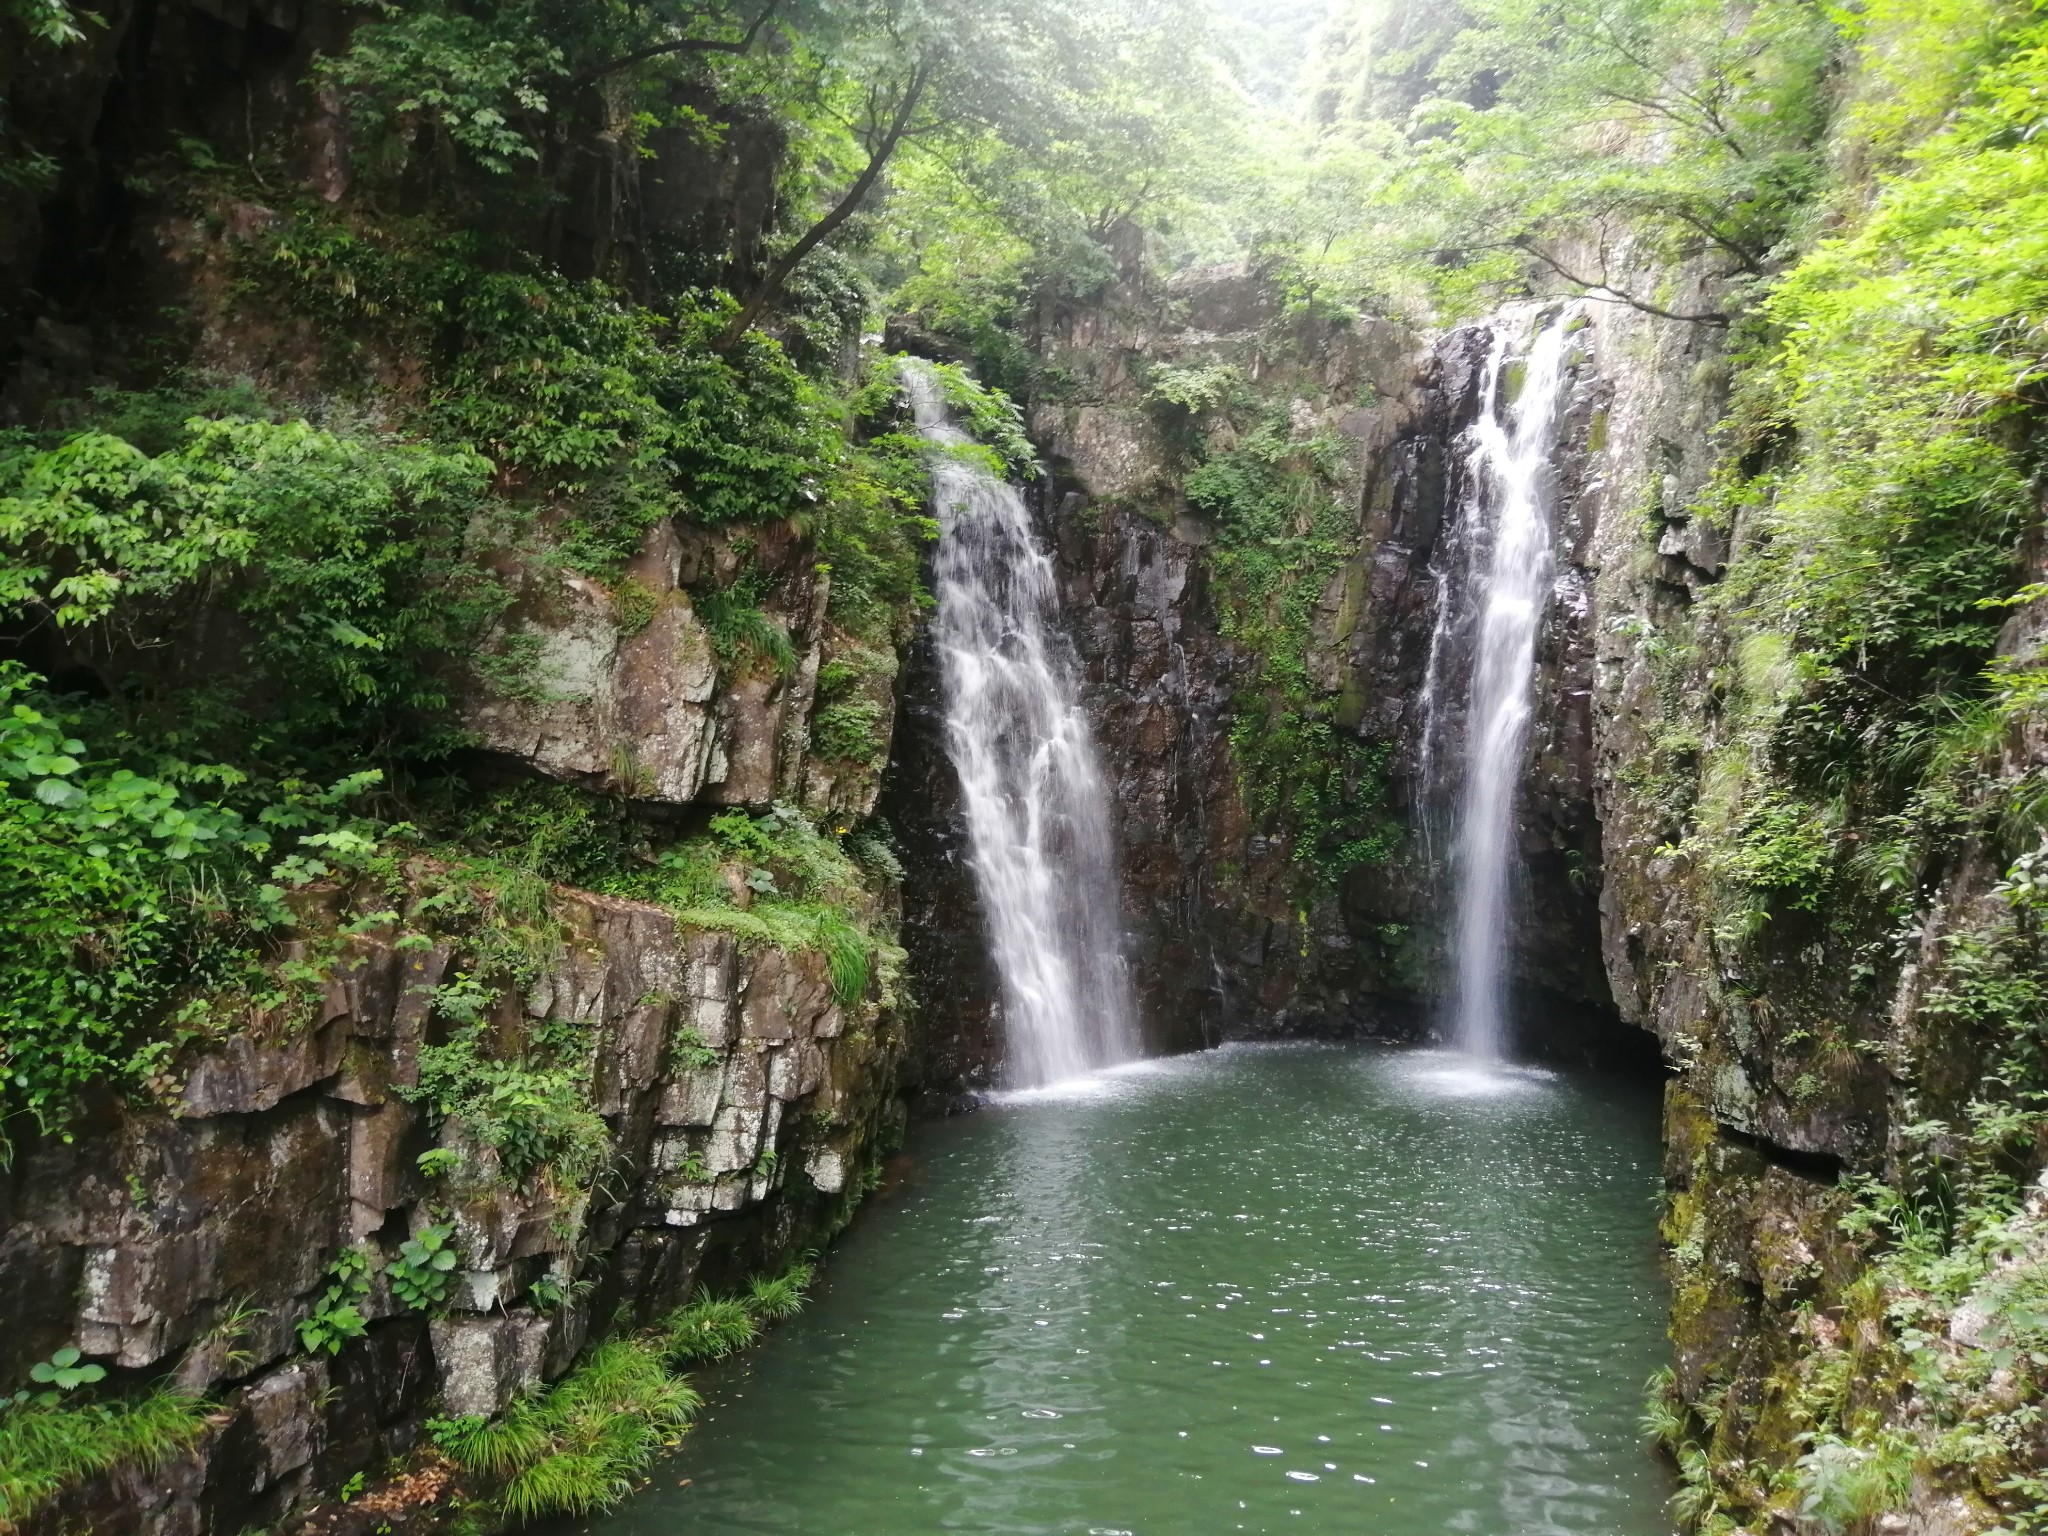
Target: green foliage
(426,72)
(709,1328)
(47,1448)
(803,891)
(712,1327)
(742,633)
(849,722)
(423,1275)
(1282,534)
(1783,849)
(52,21)
(577,1447)
(1841,1485)
(988,415)
(569,383)
(691,1053)
(552,830)
(1556,139)
(1197,388)
(532,1112)
(67,1371)
(850,731)
(342,555)
(124,892)
(438,1161)
(337,1318)
(1878,475)
(636,604)
(777,1298)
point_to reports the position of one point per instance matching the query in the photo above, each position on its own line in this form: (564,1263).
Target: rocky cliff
(595,1011)
(1829,1031)
(741,1106)
(1261,901)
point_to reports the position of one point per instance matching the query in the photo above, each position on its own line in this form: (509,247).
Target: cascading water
(1512,574)
(1038,823)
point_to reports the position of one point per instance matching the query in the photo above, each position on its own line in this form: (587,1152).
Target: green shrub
(337,1318)
(342,555)
(567,381)
(1842,1485)
(423,1275)
(533,1111)
(124,893)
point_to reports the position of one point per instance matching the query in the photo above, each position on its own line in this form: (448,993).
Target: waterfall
(1040,836)
(1511,573)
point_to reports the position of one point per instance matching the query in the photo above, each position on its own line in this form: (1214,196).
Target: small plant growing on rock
(551,1292)
(779,1298)
(439,1161)
(692,1169)
(1842,1485)
(691,1053)
(338,1316)
(424,1275)
(578,1446)
(47,1447)
(67,1371)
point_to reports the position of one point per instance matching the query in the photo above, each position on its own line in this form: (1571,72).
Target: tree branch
(740,45)
(779,271)
(1606,293)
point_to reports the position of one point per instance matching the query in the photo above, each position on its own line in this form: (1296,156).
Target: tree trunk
(779,270)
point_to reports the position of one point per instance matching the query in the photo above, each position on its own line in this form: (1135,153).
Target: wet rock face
(1157,679)
(961,1045)
(192,1241)
(1227,938)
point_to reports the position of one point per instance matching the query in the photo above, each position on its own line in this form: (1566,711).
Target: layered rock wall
(744,1104)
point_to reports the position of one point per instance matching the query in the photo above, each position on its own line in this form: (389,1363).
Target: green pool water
(1303,1289)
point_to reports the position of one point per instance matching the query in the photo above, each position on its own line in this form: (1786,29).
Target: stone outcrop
(189,1241)
(619,687)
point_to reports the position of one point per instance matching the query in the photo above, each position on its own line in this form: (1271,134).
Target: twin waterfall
(1038,819)
(1510,571)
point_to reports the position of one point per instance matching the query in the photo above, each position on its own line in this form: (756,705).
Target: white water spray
(1038,823)
(1511,452)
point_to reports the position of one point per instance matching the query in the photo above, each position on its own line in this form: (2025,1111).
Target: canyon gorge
(594,649)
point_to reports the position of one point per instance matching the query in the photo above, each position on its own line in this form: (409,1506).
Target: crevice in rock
(1815,1167)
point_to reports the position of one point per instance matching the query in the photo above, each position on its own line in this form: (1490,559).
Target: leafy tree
(1578,140)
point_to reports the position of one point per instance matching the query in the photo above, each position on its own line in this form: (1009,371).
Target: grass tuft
(48,1448)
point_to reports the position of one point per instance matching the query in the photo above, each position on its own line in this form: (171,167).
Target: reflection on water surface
(1332,1291)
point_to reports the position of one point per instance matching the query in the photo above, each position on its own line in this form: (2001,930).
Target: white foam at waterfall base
(1038,824)
(1512,443)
